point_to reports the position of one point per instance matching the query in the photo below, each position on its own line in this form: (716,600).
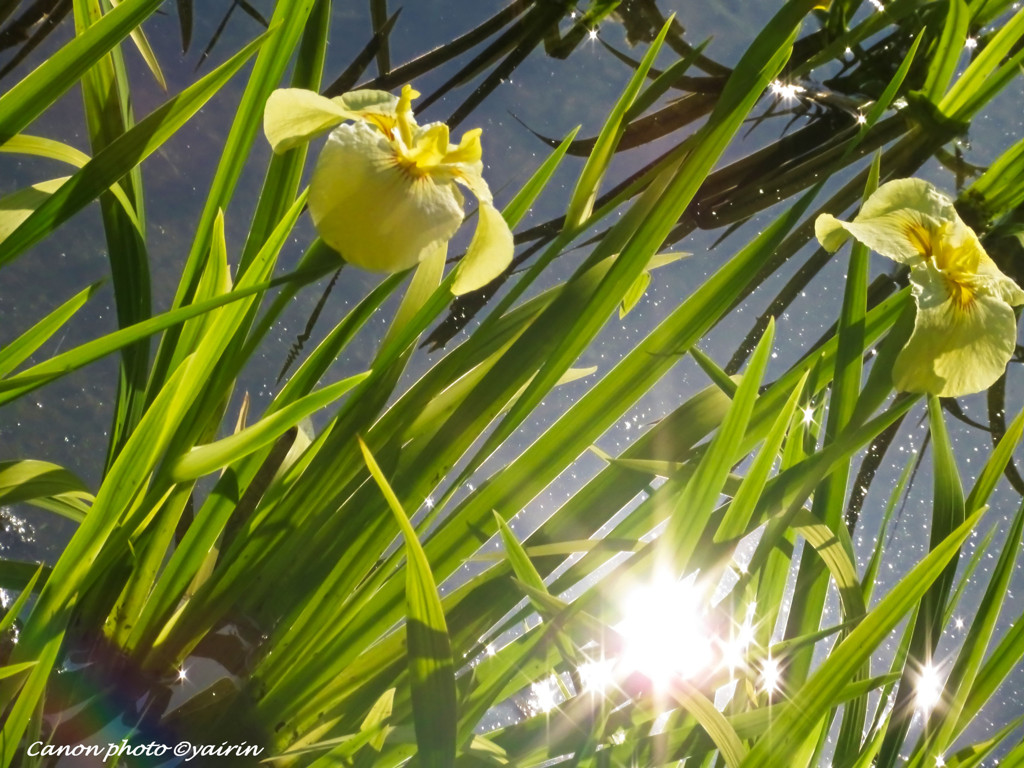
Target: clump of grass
(361,650)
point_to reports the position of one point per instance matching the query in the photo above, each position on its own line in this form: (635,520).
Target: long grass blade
(28,99)
(430,660)
(121,155)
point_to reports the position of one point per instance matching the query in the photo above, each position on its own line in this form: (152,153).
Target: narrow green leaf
(425,279)
(602,405)
(66,362)
(992,472)
(49,81)
(973,756)
(946,54)
(12,670)
(659,208)
(204,459)
(19,206)
(15,608)
(518,558)
(830,497)
(634,293)
(55,150)
(285,30)
(947,513)
(836,551)
(215,281)
(62,364)
(35,481)
(722,380)
(321,359)
(984,73)
(965,575)
(430,658)
(698,500)
(285,171)
(581,205)
(659,87)
(875,562)
(800,715)
(737,518)
(378,717)
(18,351)
(121,155)
(1003,660)
(714,723)
(960,682)
(39,146)
(885,100)
(94,541)
(15,574)
(996,186)
(530,579)
(525,197)
(146,51)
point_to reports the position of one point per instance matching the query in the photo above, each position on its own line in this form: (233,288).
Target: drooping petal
(489,252)
(491,248)
(294,116)
(957,347)
(831,232)
(376,212)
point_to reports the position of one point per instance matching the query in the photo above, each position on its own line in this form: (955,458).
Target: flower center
(426,151)
(961,292)
(920,235)
(955,261)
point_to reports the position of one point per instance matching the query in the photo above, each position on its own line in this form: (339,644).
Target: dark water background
(67,421)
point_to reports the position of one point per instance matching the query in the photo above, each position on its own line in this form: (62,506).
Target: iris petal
(896,221)
(293,116)
(909,194)
(900,235)
(954,350)
(489,252)
(384,192)
(492,246)
(965,330)
(999,284)
(374,107)
(377,214)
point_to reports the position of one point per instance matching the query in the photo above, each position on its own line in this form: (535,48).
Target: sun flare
(664,632)
(928,689)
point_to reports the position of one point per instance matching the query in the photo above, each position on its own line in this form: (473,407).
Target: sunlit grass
(351,631)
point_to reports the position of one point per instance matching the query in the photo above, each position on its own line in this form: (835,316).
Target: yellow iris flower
(384,192)
(965,330)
